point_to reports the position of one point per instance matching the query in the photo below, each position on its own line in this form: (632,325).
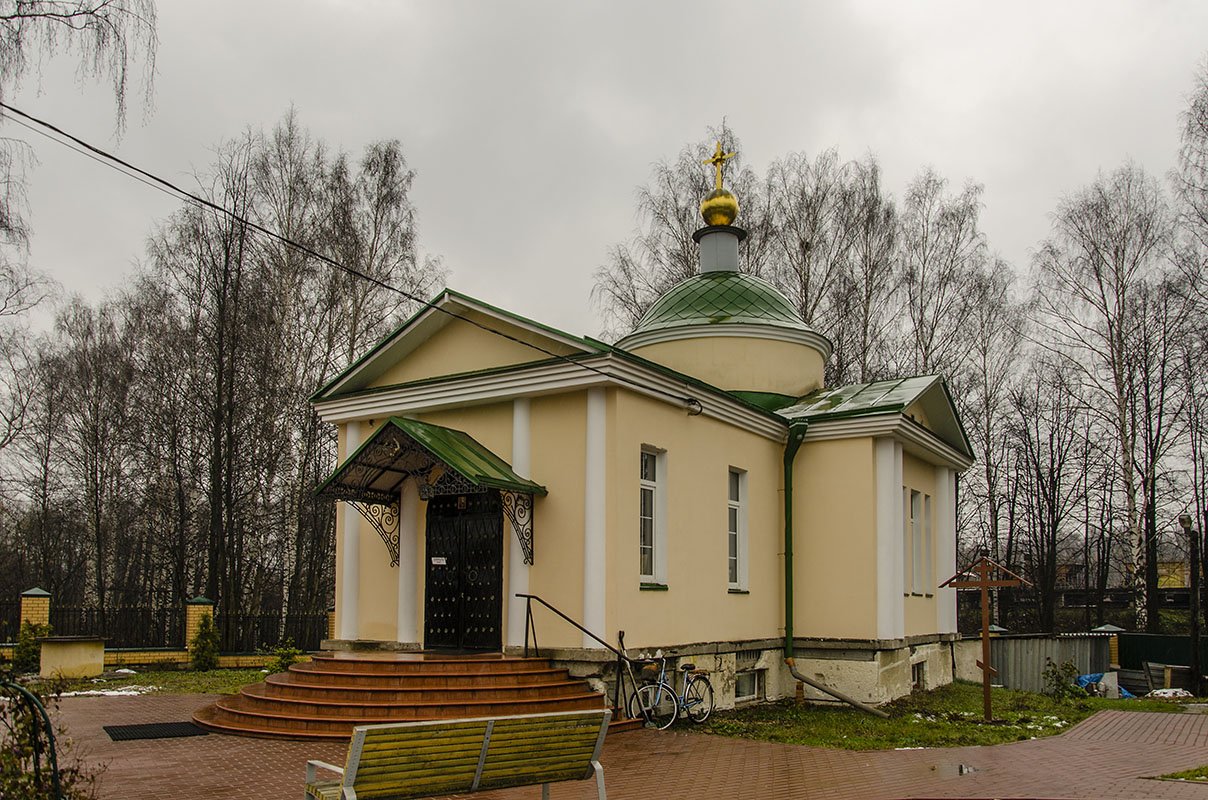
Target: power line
(130,170)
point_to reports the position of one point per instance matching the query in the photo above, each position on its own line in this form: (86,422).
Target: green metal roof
(403,448)
(715,298)
(859,399)
(438,304)
(886,397)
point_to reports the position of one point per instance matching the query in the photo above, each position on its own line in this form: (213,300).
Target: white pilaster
(945,547)
(518,571)
(350,572)
(890,608)
(594,528)
(408,548)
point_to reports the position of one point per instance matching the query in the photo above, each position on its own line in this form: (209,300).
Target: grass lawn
(1199,774)
(173,681)
(950,716)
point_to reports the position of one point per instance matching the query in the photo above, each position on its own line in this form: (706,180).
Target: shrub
(1060,680)
(18,776)
(205,645)
(283,655)
(27,655)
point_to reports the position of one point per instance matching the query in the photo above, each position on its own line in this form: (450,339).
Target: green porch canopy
(442,460)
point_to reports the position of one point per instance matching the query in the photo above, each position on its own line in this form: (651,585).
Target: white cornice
(913,436)
(744,330)
(542,379)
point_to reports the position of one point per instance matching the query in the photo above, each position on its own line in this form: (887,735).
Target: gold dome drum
(720,207)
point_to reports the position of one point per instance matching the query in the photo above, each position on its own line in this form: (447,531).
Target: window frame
(657,487)
(739,506)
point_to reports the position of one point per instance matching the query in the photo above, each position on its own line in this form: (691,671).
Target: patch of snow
(1169,693)
(125,671)
(121,691)
(910,748)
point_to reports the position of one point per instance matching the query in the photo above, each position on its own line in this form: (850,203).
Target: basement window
(748,686)
(918,676)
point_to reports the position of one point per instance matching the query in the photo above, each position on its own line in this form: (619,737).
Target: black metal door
(463,587)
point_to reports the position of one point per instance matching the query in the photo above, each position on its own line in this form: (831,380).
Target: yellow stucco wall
(697,606)
(72,658)
(462,347)
(834,556)
(731,362)
(920,608)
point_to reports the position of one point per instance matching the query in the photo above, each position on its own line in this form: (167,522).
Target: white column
(408,547)
(518,571)
(890,608)
(594,528)
(350,572)
(945,547)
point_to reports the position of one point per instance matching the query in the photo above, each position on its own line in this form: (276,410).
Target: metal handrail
(38,718)
(530,626)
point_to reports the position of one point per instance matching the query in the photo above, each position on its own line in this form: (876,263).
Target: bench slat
(433,758)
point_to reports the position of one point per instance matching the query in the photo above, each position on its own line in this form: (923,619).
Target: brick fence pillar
(35,606)
(331,622)
(195,609)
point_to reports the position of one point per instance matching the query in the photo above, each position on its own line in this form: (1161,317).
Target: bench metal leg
(600,793)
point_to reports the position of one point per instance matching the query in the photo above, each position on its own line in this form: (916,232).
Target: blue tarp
(1085,681)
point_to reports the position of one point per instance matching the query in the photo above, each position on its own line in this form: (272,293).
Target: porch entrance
(463,577)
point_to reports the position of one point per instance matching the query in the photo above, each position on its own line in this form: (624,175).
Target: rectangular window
(646,518)
(918,676)
(907,545)
(652,518)
(928,548)
(916,536)
(748,686)
(736,539)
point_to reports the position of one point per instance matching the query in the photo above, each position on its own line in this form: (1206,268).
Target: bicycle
(657,703)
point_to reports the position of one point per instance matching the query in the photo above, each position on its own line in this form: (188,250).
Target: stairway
(326,696)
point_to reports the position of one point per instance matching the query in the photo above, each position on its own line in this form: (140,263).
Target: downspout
(796,436)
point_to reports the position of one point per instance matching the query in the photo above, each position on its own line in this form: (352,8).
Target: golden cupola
(731,329)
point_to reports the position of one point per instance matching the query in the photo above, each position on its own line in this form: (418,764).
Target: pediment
(453,335)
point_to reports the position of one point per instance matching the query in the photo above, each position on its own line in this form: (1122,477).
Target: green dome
(720,298)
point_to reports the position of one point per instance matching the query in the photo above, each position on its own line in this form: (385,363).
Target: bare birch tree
(1107,240)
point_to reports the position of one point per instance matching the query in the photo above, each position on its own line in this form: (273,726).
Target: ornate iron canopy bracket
(384,519)
(519,510)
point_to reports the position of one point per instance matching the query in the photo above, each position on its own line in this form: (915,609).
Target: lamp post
(1194,537)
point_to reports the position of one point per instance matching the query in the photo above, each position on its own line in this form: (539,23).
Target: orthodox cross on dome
(717,160)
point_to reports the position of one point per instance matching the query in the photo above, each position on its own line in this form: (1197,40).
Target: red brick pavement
(1108,756)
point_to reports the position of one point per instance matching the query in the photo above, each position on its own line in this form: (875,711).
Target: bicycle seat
(687,667)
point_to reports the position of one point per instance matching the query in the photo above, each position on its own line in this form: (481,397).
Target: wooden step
(326,697)
(318,674)
(283,685)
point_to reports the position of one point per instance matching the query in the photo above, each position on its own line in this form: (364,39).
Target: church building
(695,485)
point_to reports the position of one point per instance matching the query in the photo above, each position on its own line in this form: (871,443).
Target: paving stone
(1109,755)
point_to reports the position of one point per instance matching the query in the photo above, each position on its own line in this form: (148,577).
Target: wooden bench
(429,759)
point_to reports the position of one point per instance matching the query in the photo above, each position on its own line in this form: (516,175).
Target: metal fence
(1137,648)
(1020,660)
(249,633)
(10,621)
(131,626)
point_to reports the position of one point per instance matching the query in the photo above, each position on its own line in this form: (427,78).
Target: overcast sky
(530,125)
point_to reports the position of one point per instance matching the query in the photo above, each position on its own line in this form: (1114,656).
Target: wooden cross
(718,158)
(984,568)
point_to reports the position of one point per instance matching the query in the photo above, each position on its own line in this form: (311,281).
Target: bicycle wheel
(656,704)
(698,699)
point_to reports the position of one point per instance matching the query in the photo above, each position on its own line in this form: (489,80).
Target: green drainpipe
(796,436)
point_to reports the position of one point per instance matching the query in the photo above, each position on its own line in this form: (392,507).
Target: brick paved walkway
(1108,756)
